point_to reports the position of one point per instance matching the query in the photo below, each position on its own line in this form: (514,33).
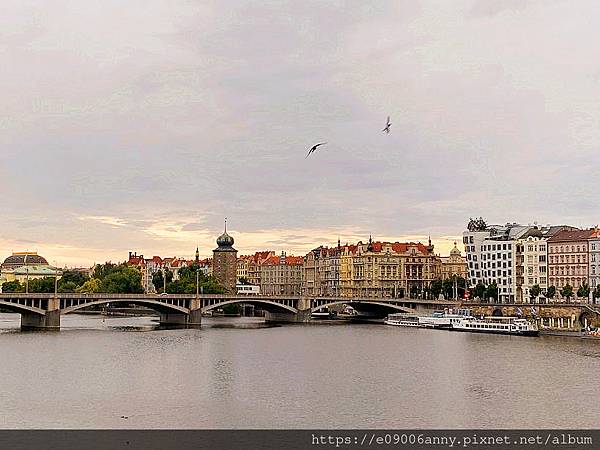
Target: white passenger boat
(444,319)
(402,320)
(497,325)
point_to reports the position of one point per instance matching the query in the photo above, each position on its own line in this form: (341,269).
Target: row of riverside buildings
(369,269)
(518,257)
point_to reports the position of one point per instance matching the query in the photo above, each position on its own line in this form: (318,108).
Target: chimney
(129,255)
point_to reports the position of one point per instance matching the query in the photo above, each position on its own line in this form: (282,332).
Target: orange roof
(574,235)
(136,261)
(287,260)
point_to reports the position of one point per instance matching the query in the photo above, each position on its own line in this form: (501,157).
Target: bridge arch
(369,303)
(151,304)
(267,305)
(18,308)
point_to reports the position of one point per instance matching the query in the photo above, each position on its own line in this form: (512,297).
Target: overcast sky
(140,125)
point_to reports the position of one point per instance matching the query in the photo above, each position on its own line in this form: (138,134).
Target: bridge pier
(181,320)
(48,321)
(299,317)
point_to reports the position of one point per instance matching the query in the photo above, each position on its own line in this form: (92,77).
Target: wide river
(239,373)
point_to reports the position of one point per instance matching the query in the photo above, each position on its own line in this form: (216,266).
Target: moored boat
(444,319)
(402,320)
(497,325)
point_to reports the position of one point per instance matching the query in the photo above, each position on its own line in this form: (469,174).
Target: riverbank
(571,334)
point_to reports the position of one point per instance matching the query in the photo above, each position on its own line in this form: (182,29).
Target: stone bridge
(43,311)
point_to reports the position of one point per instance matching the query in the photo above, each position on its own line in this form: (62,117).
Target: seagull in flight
(314,147)
(387,126)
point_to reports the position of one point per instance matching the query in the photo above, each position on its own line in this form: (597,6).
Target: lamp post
(55,281)
(26,275)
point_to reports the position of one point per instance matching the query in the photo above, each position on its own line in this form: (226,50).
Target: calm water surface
(237,373)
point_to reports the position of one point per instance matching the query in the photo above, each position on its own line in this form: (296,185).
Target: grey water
(240,373)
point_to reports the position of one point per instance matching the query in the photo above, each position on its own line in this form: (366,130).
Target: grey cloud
(188,112)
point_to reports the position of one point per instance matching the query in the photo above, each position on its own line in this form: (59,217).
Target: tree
(583,291)
(414,291)
(452,282)
(69,286)
(12,287)
(71,276)
(159,282)
(91,286)
(103,270)
(479,290)
(492,291)
(596,292)
(436,288)
(534,292)
(244,281)
(41,285)
(476,224)
(567,291)
(187,283)
(123,279)
(551,292)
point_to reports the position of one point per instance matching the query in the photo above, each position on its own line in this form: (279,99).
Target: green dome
(225,240)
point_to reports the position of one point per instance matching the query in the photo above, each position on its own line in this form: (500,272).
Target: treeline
(110,278)
(107,278)
(186,282)
(567,291)
(448,286)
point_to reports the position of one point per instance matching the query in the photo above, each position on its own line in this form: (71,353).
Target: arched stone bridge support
(50,320)
(36,314)
(191,319)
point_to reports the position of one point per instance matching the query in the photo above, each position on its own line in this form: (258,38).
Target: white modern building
(594,263)
(491,257)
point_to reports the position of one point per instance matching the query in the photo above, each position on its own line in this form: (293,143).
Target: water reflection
(241,373)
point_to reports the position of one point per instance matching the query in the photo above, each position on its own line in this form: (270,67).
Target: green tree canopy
(12,287)
(567,291)
(91,286)
(436,288)
(449,283)
(71,276)
(41,285)
(534,292)
(103,270)
(414,291)
(123,279)
(244,281)
(479,290)
(583,291)
(159,282)
(69,286)
(186,284)
(492,291)
(551,291)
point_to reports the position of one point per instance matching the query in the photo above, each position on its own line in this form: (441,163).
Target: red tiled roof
(289,260)
(574,235)
(136,261)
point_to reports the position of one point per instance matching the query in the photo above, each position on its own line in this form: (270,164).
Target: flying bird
(387,126)
(313,148)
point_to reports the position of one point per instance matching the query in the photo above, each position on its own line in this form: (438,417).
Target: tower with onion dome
(225,262)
